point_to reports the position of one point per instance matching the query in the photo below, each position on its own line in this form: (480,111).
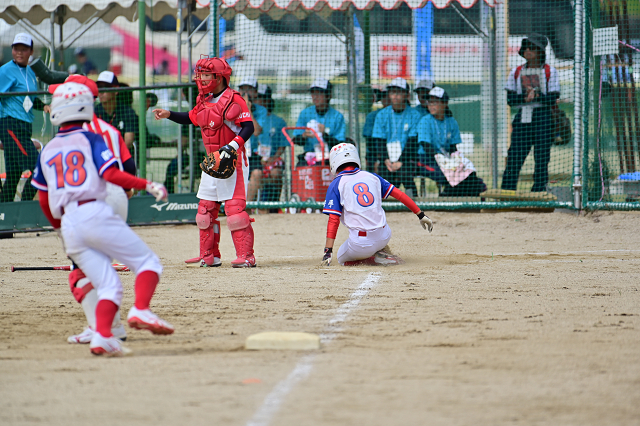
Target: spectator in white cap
(16,118)
(249,90)
(266,164)
(439,135)
(422,91)
(328,123)
(373,154)
(86,66)
(395,136)
(118,114)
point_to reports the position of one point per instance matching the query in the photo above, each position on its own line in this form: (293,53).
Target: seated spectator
(533,88)
(119,115)
(328,123)
(439,135)
(395,137)
(265,163)
(373,155)
(422,91)
(86,66)
(249,90)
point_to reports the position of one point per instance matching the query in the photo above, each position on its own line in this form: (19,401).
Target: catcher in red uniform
(225,121)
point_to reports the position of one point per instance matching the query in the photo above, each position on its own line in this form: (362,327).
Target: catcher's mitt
(220,167)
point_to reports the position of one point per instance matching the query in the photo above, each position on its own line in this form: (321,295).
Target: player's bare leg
(207,221)
(239,223)
(85,294)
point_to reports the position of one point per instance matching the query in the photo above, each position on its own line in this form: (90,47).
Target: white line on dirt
(272,402)
(543,253)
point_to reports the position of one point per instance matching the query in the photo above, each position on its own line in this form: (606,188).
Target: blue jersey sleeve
(339,129)
(302,122)
(415,120)
(380,126)
(39,180)
(424,131)
(332,203)
(102,156)
(385,186)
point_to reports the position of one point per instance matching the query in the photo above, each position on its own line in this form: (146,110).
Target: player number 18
(365,197)
(75,174)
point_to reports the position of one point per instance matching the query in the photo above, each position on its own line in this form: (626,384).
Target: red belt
(362,233)
(81,202)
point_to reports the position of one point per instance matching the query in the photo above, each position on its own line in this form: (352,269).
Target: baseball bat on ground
(117,266)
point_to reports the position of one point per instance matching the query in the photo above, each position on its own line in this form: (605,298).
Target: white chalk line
(272,402)
(543,253)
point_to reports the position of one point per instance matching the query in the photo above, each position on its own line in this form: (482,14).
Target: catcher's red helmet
(216,66)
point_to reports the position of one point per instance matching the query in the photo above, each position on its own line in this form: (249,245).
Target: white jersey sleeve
(70,167)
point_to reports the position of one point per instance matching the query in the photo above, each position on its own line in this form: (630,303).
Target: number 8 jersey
(357,196)
(70,167)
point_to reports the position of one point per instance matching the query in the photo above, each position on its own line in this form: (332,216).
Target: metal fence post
(578,93)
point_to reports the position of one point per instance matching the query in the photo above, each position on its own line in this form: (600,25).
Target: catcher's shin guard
(209,232)
(239,224)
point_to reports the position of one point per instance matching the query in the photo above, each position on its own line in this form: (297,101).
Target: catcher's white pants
(93,235)
(358,247)
(212,189)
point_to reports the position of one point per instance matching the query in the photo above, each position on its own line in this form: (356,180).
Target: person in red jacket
(226,124)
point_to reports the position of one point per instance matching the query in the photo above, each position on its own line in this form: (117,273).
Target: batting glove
(328,255)
(157,190)
(227,152)
(425,221)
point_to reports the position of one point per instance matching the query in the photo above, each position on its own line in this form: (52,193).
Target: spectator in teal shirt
(331,125)
(16,118)
(373,152)
(422,91)
(439,133)
(249,90)
(266,165)
(395,135)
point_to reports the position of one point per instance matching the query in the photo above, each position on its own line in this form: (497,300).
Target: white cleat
(384,258)
(108,346)
(85,337)
(144,319)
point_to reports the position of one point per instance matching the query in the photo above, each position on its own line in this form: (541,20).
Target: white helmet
(71,102)
(342,154)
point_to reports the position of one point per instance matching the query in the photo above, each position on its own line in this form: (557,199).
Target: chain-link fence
(461,104)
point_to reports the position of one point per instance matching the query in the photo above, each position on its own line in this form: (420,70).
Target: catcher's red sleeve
(406,200)
(43,199)
(332,226)
(125,180)
(245,115)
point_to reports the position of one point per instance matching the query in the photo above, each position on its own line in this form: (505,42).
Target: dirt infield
(494,319)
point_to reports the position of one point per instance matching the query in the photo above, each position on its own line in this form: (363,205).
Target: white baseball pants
(93,235)
(358,246)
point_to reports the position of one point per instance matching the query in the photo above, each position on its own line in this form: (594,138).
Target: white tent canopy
(84,10)
(252,9)
(98,35)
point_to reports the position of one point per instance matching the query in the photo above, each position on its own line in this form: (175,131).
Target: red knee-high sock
(146,283)
(105,312)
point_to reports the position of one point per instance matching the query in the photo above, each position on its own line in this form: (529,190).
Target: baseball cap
(77,78)
(398,82)
(321,84)
(425,84)
(249,81)
(79,51)
(438,92)
(23,38)
(264,91)
(108,77)
(533,39)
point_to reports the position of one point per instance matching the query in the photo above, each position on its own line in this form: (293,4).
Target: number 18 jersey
(357,196)
(70,167)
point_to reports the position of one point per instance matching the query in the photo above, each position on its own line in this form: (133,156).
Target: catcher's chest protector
(210,118)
